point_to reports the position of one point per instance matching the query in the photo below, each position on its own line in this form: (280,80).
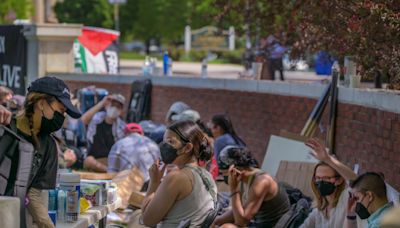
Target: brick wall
(367,136)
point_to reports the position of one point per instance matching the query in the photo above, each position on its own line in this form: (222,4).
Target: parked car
(135,46)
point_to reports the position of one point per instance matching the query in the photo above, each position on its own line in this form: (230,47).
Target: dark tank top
(272,210)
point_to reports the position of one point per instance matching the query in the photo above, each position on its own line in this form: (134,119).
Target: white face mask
(112,112)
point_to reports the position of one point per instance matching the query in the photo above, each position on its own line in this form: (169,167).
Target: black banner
(13,58)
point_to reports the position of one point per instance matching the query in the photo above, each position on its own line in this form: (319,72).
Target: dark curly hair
(238,156)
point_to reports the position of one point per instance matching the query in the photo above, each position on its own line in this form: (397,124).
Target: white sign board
(284,149)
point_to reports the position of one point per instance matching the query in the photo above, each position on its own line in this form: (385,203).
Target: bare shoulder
(263,179)
(176,176)
(262,184)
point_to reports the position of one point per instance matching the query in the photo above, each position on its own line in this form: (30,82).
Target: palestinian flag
(96,51)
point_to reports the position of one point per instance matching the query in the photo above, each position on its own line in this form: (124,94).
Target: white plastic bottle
(61,198)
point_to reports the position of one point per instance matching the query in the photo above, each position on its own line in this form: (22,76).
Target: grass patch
(131,55)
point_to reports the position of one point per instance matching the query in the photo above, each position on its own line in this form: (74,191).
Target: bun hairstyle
(189,132)
(236,155)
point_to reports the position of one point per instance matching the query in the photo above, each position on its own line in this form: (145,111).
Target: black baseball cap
(57,88)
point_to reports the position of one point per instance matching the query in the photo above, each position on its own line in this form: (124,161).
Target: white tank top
(194,207)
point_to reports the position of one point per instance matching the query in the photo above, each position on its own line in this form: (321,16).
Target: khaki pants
(38,210)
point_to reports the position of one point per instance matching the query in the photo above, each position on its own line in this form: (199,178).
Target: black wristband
(351,217)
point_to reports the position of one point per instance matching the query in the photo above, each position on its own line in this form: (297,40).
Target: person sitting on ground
(134,150)
(194,116)
(224,134)
(72,144)
(330,189)
(368,200)
(391,219)
(185,193)
(105,128)
(176,108)
(255,195)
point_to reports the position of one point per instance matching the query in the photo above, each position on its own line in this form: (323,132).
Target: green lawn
(131,55)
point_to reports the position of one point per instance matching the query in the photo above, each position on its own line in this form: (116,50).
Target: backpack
(90,96)
(296,215)
(140,102)
(9,142)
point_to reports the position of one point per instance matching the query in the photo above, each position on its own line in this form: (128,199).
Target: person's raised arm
(159,200)
(320,153)
(351,218)
(88,115)
(243,214)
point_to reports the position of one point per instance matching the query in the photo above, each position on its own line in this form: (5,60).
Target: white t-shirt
(337,215)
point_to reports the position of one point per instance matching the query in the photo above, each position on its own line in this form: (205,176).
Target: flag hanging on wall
(96,51)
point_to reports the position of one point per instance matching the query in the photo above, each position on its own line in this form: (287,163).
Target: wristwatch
(351,217)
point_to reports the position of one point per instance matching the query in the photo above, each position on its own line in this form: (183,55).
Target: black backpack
(299,210)
(140,102)
(296,215)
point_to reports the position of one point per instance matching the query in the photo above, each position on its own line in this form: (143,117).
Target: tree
(368,30)
(14,9)
(164,20)
(88,12)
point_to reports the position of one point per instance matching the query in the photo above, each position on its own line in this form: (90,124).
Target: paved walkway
(228,71)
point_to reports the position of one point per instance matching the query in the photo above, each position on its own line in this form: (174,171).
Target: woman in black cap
(47,101)
(255,195)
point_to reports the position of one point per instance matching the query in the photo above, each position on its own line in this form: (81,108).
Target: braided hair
(29,109)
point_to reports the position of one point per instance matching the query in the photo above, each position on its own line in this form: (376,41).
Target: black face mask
(325,188)
(168,153)
(51,125)
(362,211)
(226,180)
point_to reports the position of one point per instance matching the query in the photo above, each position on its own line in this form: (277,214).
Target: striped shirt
(132,151)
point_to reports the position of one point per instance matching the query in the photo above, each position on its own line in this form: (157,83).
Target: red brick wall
(366,136)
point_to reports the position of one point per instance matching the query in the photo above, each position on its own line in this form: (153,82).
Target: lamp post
(116,4)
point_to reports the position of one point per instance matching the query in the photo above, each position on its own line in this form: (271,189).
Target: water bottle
(169,67)
(52,207)
(204,68)
(146,66)
(166,63)
(61,198)
(154,66)
(336,70)
(52,200)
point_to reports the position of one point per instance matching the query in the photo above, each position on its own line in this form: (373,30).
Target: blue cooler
(86,98)
(90,96)
(323,63)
